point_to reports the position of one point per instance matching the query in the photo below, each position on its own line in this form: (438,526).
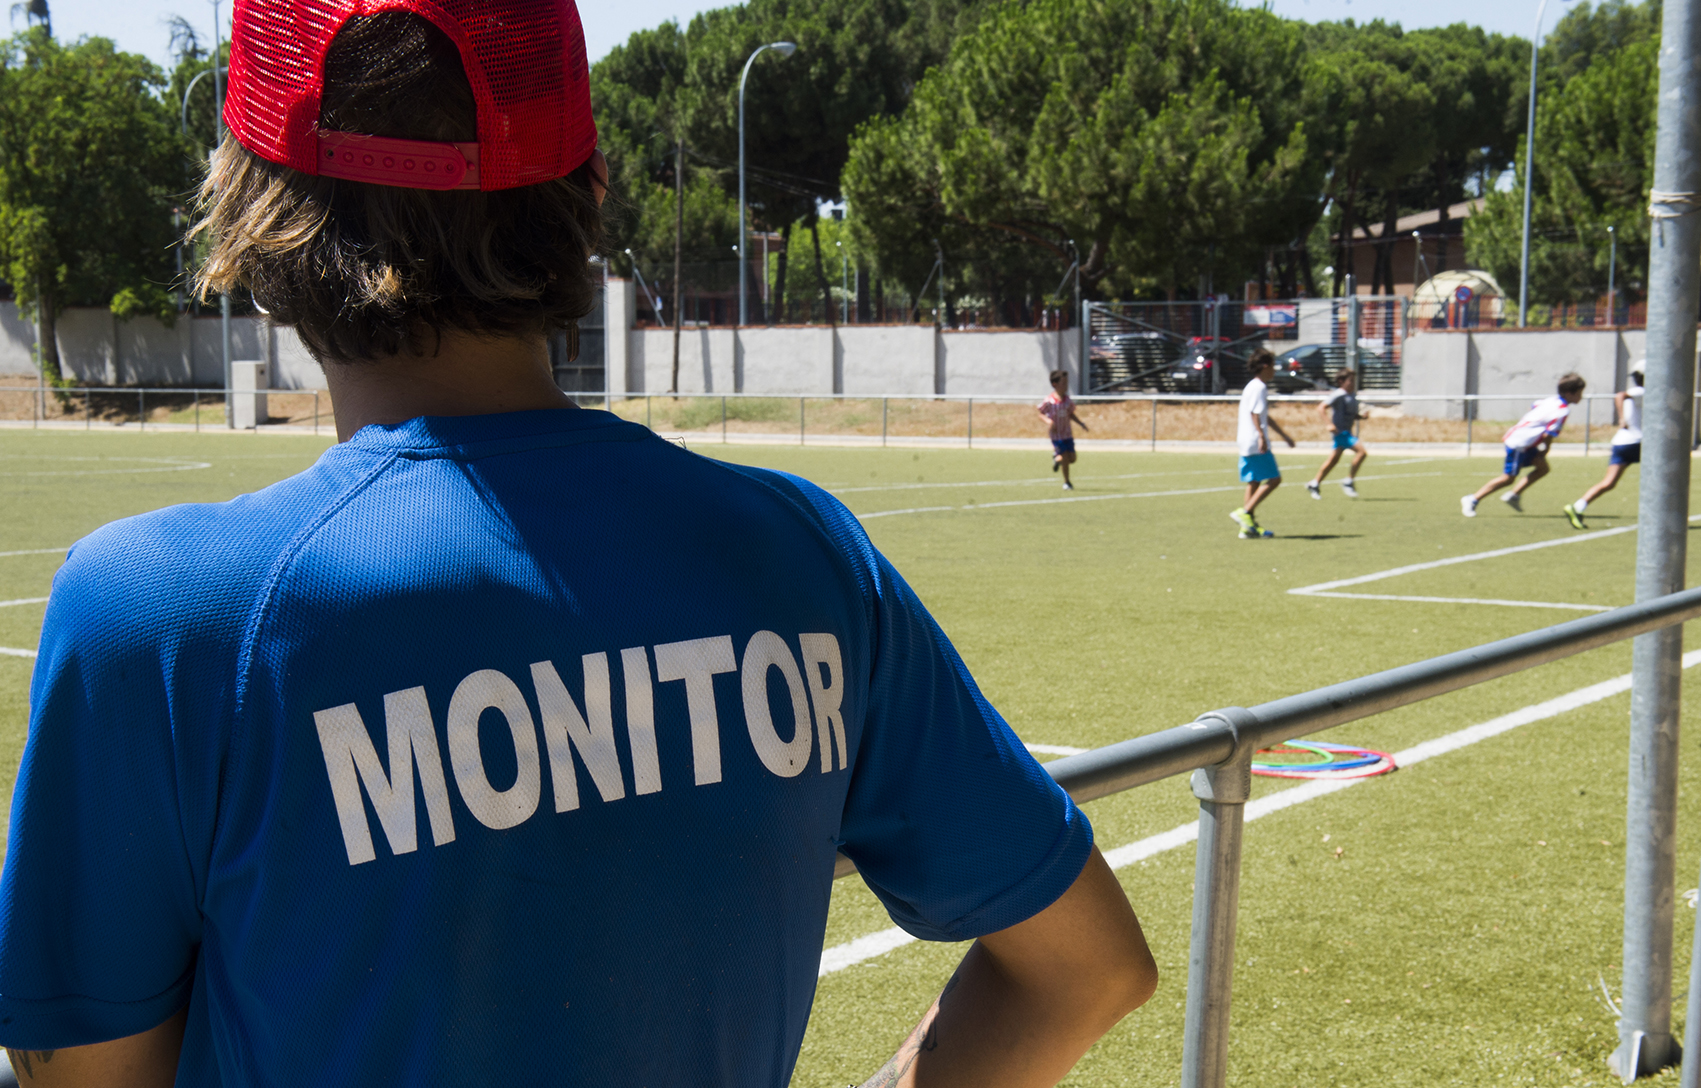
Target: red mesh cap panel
(524,60)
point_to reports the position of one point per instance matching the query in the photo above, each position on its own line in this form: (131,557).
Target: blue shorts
(1628,454)
(1519,460)
(1063,445)
(1259,467)
(1344,440)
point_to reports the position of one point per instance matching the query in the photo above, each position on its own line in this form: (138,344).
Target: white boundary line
(1100,498)
(1049,481)
(1322,589)
(38,551)
(7,651)
(1052,749)
(851,953)
(23,600)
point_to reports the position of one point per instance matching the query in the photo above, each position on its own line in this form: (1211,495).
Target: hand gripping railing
(1218,749)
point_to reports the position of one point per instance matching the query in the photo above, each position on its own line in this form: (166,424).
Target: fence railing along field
(1145,418)
(1142,418)
(1218,748)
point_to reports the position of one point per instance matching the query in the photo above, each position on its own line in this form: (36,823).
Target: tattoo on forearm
(23,1061)
(924,1037)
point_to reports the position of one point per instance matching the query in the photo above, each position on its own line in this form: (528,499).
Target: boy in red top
(1059,411)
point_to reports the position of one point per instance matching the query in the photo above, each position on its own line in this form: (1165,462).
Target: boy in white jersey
(1258,469)
(1058,411)
(1526,445)
(1341,407)
(1626,447)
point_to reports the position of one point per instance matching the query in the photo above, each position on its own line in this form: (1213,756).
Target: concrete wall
(908,360)
(17,342)
(1512,366)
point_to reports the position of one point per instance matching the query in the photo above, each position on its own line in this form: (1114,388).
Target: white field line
(1052,482)
(1100,498)
(38,551)
(1463,600)
(1052,749)
(839,957)
(1049,481)
(1322,589)
(7,651)
(165,466)
(23,600)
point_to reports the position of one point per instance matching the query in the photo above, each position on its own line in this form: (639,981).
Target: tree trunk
(1385,248)
(1303,257)
(779,292)
(1344,264)
(47,336)
(821,271)
(678,251)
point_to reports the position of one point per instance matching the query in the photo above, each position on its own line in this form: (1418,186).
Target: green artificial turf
(1442,945)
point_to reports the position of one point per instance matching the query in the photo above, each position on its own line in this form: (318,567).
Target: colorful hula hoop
(1320,760)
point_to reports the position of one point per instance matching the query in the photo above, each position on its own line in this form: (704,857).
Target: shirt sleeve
(99,912)
(950,820)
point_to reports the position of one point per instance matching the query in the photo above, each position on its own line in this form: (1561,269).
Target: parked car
(1194,371)
(1313,366)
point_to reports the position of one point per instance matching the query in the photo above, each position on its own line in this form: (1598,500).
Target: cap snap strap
(407,164)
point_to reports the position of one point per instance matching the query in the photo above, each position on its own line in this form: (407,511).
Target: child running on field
(1527,444)
(1626,448)
(1341,407)
(1258,469)
(1059,411)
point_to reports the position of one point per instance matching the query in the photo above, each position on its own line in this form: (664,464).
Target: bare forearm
(139,1061)
(985,1031)
(1028,1001)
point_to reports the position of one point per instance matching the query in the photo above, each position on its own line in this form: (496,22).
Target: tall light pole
(218,138)
(1529,168)
(784,49)
(177,217)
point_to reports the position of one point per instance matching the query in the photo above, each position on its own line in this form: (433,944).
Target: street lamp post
(1612,276)
(218,138)
(177,216)
(844,285)
(1529,168)
(784,49)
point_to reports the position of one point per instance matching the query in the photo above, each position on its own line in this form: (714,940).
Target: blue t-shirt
(501,749)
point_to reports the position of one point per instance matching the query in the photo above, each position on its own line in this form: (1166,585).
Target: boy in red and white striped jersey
(1059,411)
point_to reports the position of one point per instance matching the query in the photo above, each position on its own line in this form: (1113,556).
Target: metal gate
(1201,346)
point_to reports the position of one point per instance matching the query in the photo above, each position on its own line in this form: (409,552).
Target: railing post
(1588,416)
(1645,1042)
(723,419)
(315,411)
(197,395)
(142,409)
(1692,1024)
(884,402)
(1222,790)
(971,423)
(88,416)
(800,421)
(1154,424)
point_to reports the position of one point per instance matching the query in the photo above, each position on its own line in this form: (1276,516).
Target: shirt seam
(259,611)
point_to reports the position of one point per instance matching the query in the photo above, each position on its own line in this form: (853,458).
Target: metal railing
(1463,410)
(86,394)
(1218,749)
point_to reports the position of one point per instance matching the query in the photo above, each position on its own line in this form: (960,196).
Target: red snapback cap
(525,60)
